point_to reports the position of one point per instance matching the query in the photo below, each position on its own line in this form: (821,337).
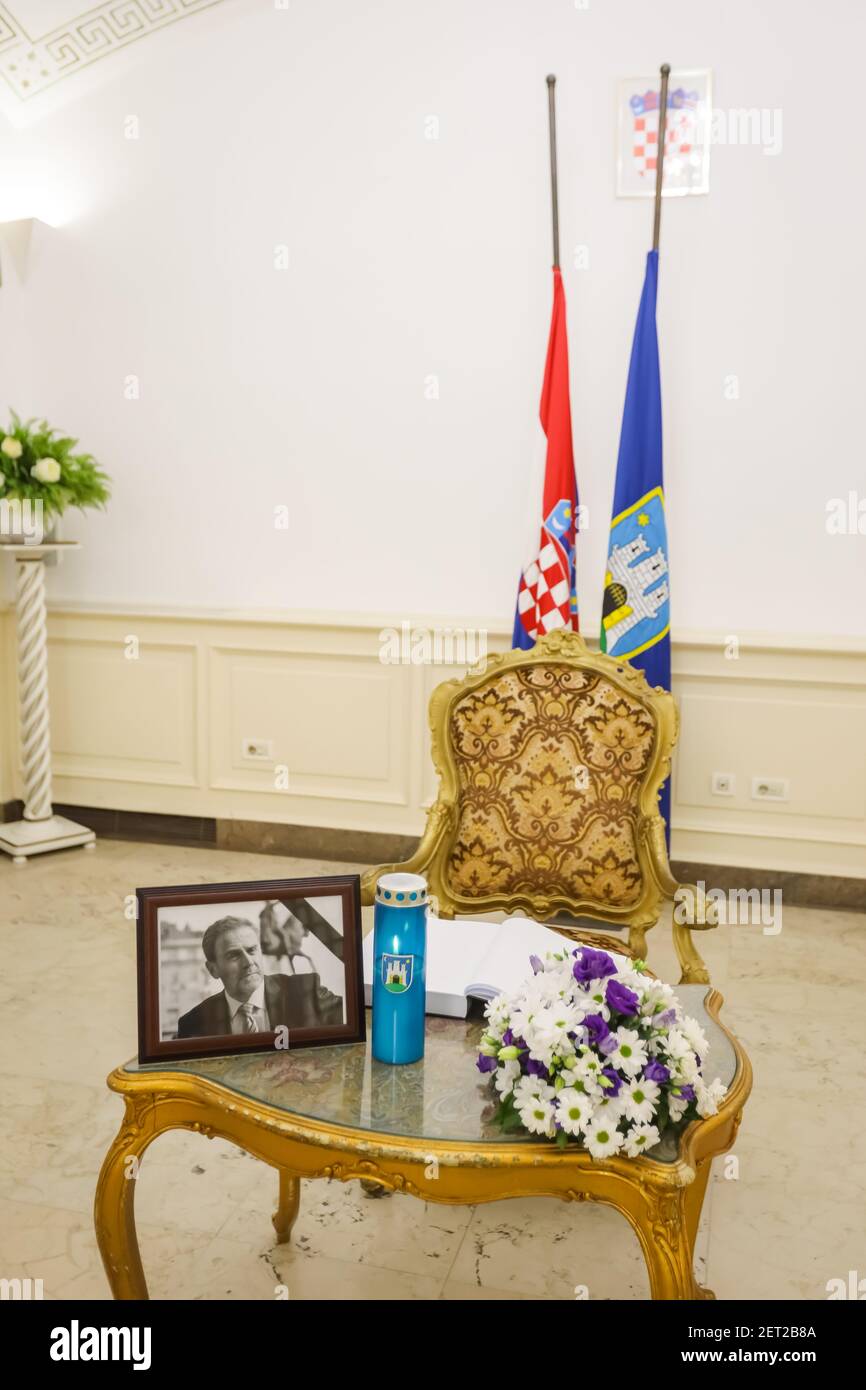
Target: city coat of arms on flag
(687,135)
(636,605)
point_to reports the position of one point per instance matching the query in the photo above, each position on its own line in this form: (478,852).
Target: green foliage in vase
(38,462)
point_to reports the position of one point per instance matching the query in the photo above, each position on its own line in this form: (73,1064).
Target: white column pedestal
(40,830)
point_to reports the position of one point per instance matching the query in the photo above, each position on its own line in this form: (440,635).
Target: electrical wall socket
(770,788)
(723,784)
(262,749)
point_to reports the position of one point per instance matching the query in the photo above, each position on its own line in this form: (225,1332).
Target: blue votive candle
(399,968)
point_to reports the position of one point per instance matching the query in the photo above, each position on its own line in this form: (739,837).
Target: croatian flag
(547,593)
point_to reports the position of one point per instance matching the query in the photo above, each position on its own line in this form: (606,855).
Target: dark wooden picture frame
(152,1047)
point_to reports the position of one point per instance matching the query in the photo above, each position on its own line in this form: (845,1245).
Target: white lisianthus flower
(677,1106)
(47,470)
(676,1044)
(639,1100)
(505,1076)
(631,1054)
(688,1070)
(602,1137)
(574,1111)
(12,447)
(530,1088)
(641,1138)
(537,1116)
(697,1039)
(708,1097)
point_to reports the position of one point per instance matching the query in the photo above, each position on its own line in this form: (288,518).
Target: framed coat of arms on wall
(687,135)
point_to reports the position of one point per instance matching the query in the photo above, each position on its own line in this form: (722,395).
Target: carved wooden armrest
(440,819)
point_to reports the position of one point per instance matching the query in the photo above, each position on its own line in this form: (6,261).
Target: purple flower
(486,1063)
(537,964)
(621,998)
(666,1019)
(534,1068)
(597,1029)
(592,965)
(608,1045)
(687,1092)
(615,1079)
(507,1038)
(654,1071)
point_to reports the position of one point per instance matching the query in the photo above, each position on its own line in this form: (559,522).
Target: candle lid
(402,890)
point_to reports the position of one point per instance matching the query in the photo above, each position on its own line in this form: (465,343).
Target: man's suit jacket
(293,1001)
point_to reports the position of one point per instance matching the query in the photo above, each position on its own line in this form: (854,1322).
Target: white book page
(505,966)
(454,953)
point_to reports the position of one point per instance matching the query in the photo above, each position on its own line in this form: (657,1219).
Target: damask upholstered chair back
(550,764)
(549,760)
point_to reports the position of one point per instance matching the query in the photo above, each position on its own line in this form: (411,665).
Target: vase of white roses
(595,1052)
(39,468)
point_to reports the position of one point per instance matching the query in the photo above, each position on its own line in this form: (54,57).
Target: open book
(468,959)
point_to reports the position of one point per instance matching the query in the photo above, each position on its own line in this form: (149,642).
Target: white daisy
(631,1053)
(537,1116)
(641,1138)
(574,1111)
(586,1072)
(595,1001)
(602,1138)
(639,1100)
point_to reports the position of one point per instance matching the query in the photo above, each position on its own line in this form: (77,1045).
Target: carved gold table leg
(669,1248)
(694,1201)
(288,1206)
(114,1204)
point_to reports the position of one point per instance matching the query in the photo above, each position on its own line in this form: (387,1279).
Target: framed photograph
(249,967)
(687,135)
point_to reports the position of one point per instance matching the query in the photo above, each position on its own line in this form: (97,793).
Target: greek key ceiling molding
(45,41)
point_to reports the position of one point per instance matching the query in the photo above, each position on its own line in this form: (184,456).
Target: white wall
(410,257)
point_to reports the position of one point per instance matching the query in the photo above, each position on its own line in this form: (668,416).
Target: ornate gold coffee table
(424,1129)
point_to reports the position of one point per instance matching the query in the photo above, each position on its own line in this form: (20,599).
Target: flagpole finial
(554,191)
(665,72)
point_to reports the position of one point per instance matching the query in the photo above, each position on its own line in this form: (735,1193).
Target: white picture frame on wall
(687,134)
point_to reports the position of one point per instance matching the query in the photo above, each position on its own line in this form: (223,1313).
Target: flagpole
(554,191)
(660,152)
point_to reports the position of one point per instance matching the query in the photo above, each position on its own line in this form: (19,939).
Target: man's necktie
(249,1014)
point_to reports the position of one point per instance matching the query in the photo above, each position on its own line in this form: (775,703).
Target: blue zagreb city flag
(635,622)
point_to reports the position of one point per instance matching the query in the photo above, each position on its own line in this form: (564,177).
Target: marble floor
(791,1218)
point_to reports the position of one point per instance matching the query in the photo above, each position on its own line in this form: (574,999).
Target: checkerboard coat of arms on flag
(547,590)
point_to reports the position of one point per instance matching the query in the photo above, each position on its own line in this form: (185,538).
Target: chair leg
(288,1206)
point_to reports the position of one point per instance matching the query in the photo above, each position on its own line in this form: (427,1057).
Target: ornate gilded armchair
(550,763)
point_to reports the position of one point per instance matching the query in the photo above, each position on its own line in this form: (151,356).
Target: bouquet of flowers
(38,463)
(596,1052)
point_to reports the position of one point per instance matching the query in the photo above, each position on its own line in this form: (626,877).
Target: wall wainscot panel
(165,731)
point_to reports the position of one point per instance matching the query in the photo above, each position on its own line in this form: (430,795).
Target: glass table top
(442,1097)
